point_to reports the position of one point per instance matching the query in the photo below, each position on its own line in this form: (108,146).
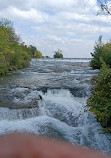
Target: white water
(61,114)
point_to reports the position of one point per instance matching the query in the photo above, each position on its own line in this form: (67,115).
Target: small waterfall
(20,103)
(23,113)
(17,114)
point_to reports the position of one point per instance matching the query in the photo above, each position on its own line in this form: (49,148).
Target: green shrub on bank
(101,51)
(100,99)
(13,54)
(34,52)
(37,54)
(3,65)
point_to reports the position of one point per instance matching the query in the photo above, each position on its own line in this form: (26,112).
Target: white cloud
(66,5)
(71,25)
(31,15)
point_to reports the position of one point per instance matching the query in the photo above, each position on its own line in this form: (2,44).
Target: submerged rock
(19,98)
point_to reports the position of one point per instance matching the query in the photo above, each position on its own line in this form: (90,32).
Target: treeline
(34,52)
(13,53)
(100,99)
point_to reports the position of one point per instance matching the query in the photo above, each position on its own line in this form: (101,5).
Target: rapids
(61,113)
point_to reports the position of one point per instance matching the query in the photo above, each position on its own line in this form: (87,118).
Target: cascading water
(61,112)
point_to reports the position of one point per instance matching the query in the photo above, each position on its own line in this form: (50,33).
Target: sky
(69,25)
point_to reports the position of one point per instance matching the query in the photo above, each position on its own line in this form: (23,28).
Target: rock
(40,97)
(19,98)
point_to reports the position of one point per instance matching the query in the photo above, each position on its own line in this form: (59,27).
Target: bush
(100,99)
(101,51)
(37,54)
(58,54)
(3,65)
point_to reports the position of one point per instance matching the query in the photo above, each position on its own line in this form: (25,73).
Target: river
(61,112)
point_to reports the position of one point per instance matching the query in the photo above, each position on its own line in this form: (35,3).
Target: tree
(98,49)
(100,99)
(13,55)
(104,7)
(58,54)
(102,52)
(33,49)
(8,25)
(37,54)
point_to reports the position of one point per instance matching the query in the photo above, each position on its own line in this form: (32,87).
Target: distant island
(58,54)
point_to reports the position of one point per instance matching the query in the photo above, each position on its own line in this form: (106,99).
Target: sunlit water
(62,113)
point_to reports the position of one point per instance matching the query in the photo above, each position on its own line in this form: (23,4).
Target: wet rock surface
(19,98)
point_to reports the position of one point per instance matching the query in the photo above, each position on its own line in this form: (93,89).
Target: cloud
(31,15)
(71,25)
(67,5)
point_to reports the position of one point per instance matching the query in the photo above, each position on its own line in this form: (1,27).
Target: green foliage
(37,54)
(33,49)
(8,25)
(101,51)
(13,55)
(3,65)
(58,54)
(100,99)
(34,52)
(47,56)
